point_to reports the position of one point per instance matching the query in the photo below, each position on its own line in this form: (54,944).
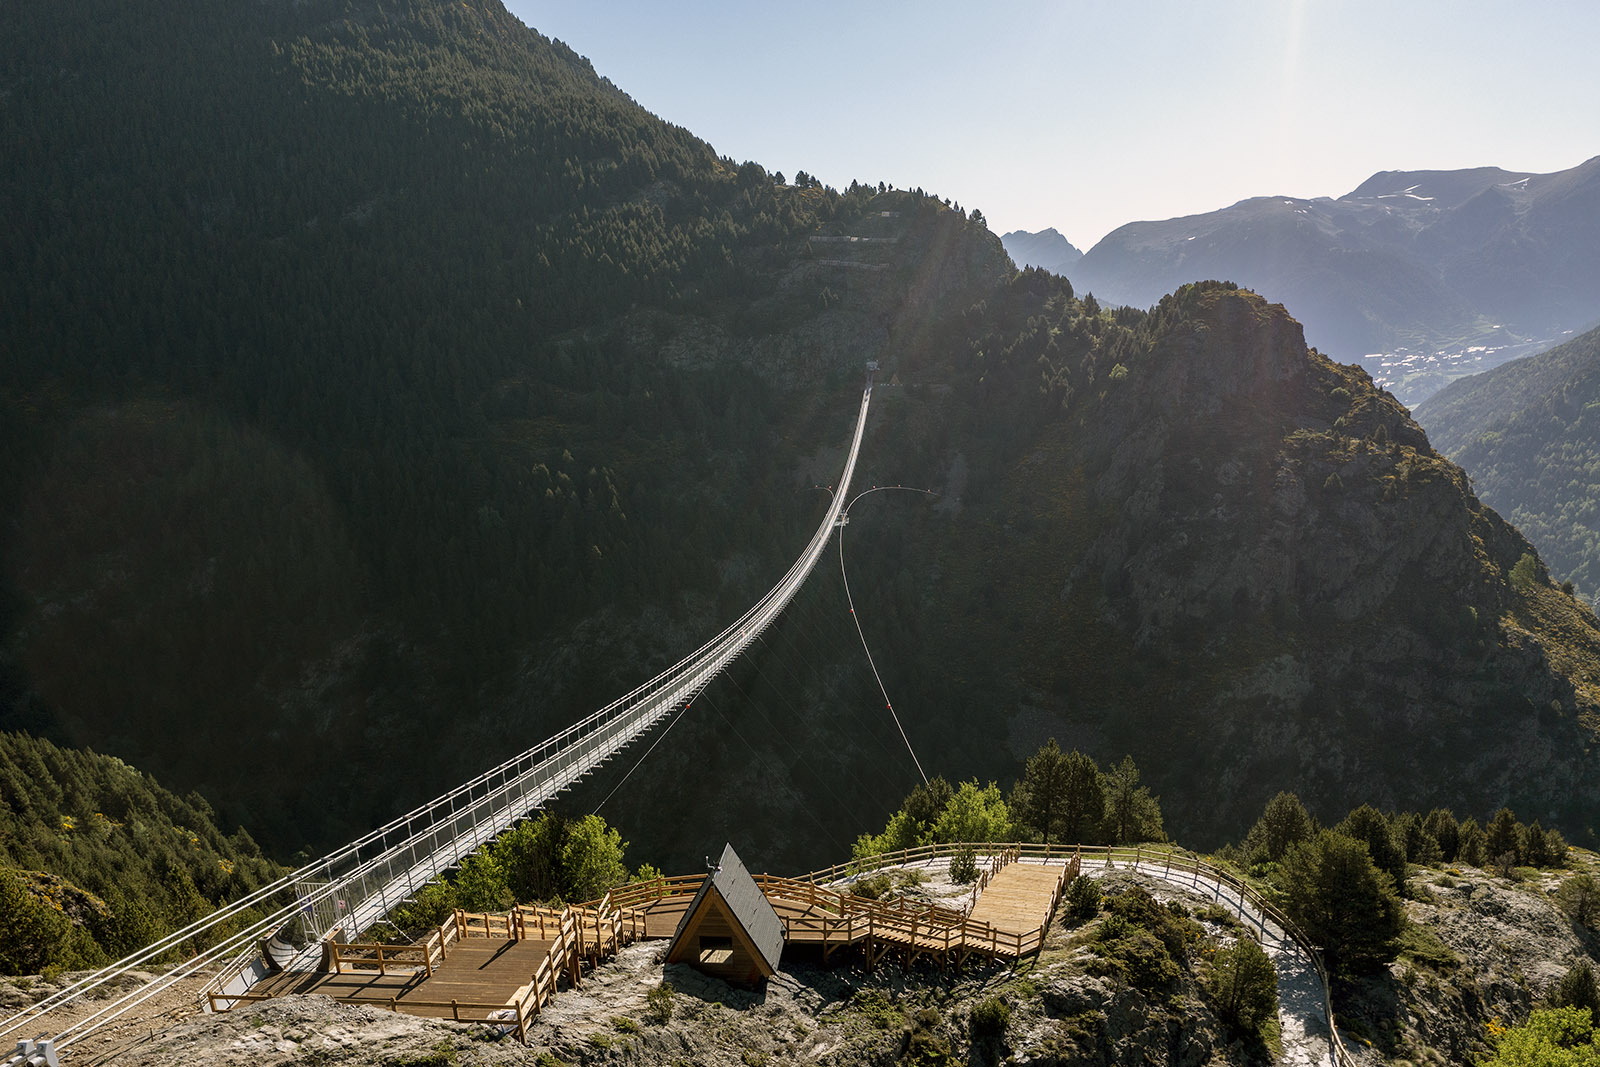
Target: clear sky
(1085,114)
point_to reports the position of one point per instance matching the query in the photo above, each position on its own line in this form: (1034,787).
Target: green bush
(1577,990)
(658,1004)
(1525,574)
(1083,898)
(1245,985)
(990,1018)
(926,1045)
(1554,1038)
(964,865)
(1579,897)
(873,888)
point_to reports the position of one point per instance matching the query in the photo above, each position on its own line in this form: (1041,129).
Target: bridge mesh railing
(353,887)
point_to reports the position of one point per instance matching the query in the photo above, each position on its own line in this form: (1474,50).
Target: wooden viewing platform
(1020,897)
(1011,927)
(474,968)
(504,968)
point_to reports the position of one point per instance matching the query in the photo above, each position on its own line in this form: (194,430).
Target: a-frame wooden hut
(730,930)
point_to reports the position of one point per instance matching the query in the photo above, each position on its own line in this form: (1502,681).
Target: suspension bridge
(264,940)
(283,926)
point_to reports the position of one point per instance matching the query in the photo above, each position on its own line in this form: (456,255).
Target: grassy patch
(875,1007)
(1422,946)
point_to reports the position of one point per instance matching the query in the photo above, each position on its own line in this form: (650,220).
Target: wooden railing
(405,959)
(597,928)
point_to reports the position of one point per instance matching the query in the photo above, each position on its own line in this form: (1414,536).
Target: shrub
(990,1018)
(926,1046)
(1134,955)
(1579,897)
(1141,942)
(872,888)
(1577,990)
(964,865)
(1557,1036)
(658,1004)
(1245,985)
(1525,573)
(1083,898)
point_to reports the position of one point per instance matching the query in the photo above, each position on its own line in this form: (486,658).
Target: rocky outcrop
(1482,953)
(1289,588)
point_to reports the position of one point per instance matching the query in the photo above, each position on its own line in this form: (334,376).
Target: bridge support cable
(353,887)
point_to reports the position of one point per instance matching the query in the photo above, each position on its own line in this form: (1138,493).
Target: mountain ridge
(433,394)
(1471,262)
(1046,249)
(1526,433)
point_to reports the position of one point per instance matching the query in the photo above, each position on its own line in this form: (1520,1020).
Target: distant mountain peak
(1046,249)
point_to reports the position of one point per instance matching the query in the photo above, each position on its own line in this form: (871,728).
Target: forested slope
(97,860)
(384,391)
(1529,434)
(310,436)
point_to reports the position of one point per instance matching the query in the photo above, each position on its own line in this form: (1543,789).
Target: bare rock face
(1482,950)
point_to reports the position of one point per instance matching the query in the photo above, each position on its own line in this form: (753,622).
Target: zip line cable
(844,518)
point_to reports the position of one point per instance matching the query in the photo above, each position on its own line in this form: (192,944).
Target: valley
(383,391)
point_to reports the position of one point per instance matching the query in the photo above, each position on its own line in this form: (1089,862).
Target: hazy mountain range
(1422,276)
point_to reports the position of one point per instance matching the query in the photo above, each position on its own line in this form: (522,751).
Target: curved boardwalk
(1307,1038)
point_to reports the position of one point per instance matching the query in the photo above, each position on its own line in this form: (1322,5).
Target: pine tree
(1369,825)
(1283,823)
(1132,814)
(1502,837)
(1038,802)
(1342,901)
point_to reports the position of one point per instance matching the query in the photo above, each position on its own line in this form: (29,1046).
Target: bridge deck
(1019,898)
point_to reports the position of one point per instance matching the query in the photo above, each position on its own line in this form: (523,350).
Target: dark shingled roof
(747,905)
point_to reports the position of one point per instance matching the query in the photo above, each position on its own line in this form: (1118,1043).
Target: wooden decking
(504,968)
(485,971)
(1019,897)
(1021,901)
(474,968)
